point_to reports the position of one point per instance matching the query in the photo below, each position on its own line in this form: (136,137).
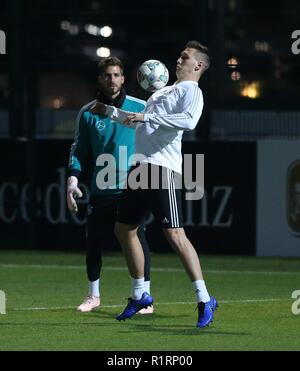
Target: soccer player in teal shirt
(97,136)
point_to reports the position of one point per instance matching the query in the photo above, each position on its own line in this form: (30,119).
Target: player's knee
(176,237)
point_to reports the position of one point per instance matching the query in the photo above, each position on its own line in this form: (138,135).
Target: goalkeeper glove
(72,193)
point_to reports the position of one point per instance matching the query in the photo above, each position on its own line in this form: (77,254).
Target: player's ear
(198,66)
(123,79)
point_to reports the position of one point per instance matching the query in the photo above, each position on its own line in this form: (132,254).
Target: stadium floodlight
(103,52)
(106,31)
(92,29)
(65,25)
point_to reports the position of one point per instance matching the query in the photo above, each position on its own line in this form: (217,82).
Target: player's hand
(72,193)
(134,117)
(98,109)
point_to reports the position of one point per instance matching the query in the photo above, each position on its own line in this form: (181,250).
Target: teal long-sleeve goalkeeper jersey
(97,135)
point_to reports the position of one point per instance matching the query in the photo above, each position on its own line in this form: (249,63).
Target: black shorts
(162,198)
(101,221)
(102,216)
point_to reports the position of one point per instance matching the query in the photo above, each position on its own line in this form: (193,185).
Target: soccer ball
(152,75)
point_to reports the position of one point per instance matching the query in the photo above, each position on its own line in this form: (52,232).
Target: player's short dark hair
(202,52)
(110,61)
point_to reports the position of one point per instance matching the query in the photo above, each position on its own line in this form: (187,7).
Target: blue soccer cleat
(206,312)
(134,306)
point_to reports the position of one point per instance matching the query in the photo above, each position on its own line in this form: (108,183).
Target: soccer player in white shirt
(159,130)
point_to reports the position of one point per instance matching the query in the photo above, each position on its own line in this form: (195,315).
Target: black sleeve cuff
(73,172)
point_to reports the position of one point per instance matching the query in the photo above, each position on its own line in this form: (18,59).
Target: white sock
(201,291)
(147,287)
(137,288)
(94,288)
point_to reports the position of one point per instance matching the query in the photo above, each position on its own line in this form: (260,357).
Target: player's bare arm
(120,116)
(134,117)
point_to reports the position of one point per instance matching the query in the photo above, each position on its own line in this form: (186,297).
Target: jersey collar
(117,102)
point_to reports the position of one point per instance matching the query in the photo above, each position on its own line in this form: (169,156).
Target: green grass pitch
(43,289)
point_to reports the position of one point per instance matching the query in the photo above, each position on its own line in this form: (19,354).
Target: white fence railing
(255,125)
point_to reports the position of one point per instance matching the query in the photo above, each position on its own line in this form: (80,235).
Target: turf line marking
(156,303)
(42,266)
(251,272)
(157,269)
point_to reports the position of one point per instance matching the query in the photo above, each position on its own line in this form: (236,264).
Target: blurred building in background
(54,47)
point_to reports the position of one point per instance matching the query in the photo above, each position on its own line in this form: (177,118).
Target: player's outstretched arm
(129,119)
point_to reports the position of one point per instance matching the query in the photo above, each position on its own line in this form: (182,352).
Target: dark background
(51,59)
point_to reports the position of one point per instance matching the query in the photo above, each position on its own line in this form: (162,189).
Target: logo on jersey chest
(100,125)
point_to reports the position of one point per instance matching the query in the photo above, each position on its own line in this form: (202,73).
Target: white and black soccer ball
(152,75)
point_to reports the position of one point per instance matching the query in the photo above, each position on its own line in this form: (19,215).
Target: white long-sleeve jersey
(168,113)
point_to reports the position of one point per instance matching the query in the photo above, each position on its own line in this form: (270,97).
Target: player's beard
(111,90)
(114,92)
(114,89)
(105,89)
